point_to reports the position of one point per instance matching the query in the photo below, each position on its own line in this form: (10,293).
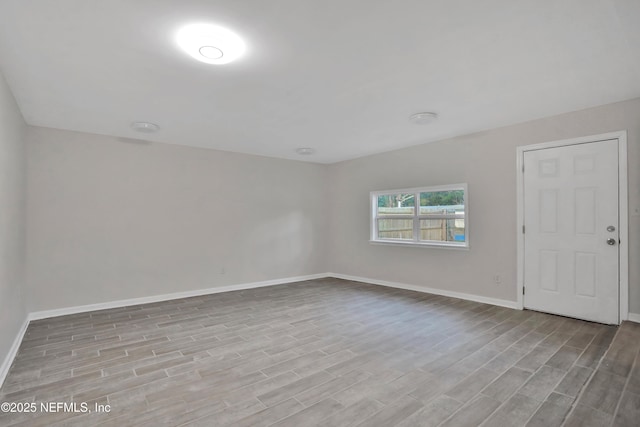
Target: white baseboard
(13,351)
(45,314)
(460,295)
(633,317)
(37,315)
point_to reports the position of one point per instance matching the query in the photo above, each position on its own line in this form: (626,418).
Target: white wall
(111,219)
(12,221)
(487,162)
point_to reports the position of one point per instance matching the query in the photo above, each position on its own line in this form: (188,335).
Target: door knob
(611,241)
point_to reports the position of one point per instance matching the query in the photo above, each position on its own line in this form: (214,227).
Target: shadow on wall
(280,243)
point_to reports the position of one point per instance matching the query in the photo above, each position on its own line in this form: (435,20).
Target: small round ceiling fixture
(145,127)
(305,151)
(423,118)
(211,52)
(210,43)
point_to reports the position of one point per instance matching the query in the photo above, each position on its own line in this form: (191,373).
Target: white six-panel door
(571,231)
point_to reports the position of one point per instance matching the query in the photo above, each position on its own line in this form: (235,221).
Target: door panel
(570,198)
(586,210)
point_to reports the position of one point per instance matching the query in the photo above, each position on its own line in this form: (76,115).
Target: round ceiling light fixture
(210,43)
(305,151)
(211,52)
(145,127)
(423,118)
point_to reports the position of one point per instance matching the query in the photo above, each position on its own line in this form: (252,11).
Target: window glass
(449,202)
(396,229)
(396,204)
(421,216)
(442,230)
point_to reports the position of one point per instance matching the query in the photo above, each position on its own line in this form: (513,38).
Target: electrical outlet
(497,279)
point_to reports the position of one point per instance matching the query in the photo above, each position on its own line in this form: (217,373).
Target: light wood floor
(326,352)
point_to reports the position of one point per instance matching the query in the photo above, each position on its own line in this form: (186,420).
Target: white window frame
(416,217)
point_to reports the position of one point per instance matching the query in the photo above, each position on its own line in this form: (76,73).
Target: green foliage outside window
(396,201)
(442,198)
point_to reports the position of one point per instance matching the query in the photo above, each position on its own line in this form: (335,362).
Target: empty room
(319,213)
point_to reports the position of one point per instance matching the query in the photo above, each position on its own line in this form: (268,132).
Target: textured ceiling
(339,76)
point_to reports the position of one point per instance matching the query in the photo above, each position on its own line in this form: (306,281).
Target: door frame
(623,212)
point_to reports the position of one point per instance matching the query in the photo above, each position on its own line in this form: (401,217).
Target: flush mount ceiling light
(423,118)
(305,151)
(211,52)
(145,127)
(210,43)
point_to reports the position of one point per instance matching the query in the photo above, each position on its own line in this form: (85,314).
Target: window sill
(420,245)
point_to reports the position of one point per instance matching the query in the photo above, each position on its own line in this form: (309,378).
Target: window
(429,216)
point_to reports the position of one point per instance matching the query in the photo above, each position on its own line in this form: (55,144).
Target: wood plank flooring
(325,352)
